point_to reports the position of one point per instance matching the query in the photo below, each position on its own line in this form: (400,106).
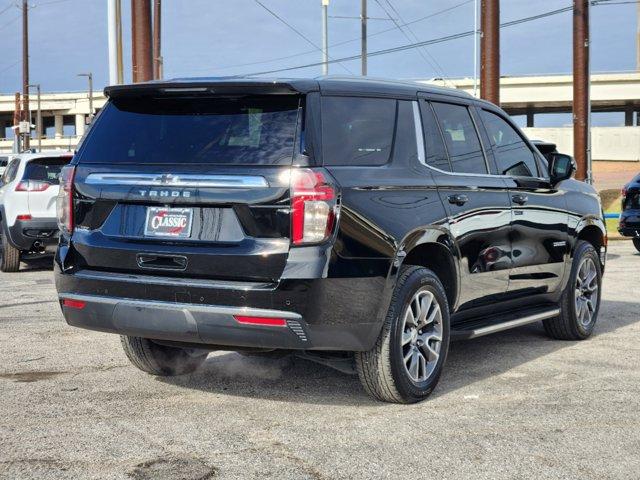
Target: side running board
(477,328)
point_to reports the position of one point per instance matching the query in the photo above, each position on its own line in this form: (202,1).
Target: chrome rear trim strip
(168,180)
(173,281)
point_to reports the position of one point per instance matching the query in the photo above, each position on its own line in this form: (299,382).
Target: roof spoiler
(211,87)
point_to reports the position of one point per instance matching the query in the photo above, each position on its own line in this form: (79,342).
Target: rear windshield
(632,201)
(45,169)
(224,130)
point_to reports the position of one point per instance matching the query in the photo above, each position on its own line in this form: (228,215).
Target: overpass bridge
(530,96)
(64,114)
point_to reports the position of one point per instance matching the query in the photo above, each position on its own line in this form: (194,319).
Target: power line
(344,42)
(433,41)
(424,53)
(8,7)
(298,32)
(10,66)
(405,35)
(9,22)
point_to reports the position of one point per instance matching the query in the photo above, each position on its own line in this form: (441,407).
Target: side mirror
(561,167)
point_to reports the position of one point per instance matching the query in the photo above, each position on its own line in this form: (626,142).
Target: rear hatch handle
(154,261)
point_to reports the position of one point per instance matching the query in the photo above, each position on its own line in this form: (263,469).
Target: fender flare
(429,235)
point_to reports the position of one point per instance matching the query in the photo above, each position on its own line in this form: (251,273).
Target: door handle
(161,262)
(458,199)
(519,198)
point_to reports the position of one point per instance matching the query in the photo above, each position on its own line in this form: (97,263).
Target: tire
(161,360)
(577,323)
(636,243)
(10,260)
(382,370)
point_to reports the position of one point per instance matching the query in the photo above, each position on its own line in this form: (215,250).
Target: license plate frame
(177,224)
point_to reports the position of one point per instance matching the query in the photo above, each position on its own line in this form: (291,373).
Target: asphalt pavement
(515,405)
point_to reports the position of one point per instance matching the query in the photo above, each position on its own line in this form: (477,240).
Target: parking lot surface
(511,405)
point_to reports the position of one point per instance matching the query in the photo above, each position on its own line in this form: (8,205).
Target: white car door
(41,182)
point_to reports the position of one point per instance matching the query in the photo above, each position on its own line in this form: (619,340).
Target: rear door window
(357,131)
(513,156)
(461,138)
(252,130)
(435,153)
(45,169)
(632,201)
(9,174)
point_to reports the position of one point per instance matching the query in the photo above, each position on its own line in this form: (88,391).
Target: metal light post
(475,48)
(325,37)
(90,77)
(38,116)
(363,31)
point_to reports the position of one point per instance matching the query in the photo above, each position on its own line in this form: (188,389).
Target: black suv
(340,218)
(629,225)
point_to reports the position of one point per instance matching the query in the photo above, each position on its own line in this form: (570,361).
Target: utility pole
(325,37)
(90,78)
(490,51)
(475,48)
(141,40)
(17,115)
(26,116)
(363,16)
(638,38)
(38,117)
(581,80)
(157,37)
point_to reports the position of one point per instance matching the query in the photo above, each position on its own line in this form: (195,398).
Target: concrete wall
(607,143)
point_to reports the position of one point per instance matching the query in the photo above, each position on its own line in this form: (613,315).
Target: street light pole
(363,31)
(26,115)
(325,37)
(475,48)
(90,77)
(38,117)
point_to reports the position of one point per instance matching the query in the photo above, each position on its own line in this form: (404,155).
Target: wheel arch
(594,231)
(435,249)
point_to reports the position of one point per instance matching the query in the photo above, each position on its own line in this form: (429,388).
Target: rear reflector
(23,217)
(78,304)
(267,321)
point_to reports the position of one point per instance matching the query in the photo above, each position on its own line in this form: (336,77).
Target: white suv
(28,191)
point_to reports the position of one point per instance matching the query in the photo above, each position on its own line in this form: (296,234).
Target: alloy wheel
(586,292)
(421,335)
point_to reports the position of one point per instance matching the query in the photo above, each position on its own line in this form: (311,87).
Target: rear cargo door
(193,187)
(41,181)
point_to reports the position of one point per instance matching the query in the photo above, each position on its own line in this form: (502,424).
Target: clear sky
(218,37)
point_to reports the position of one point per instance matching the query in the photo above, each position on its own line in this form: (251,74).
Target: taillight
(266,321)
(32,186)
(313,206)
(23,217)
(64,203)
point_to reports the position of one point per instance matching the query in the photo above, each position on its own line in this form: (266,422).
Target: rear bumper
(629,223)
(630,231)
(33,234)
(320,314)
(183,322)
